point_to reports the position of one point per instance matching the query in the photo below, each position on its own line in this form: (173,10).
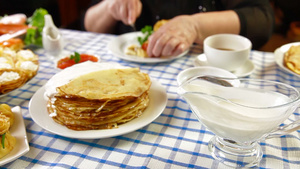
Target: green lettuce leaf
(34,34)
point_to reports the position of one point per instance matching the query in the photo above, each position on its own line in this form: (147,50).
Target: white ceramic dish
(279,56)
(19,132)
(118,45)
(203,70)
(39,114)
(246,70)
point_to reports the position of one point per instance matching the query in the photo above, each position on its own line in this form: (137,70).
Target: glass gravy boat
(240,112)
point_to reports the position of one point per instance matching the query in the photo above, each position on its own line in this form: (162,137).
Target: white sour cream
(26,54)
(5,66)
(28,65)
(9,52)
(240,123)
(3,60)
(9,76)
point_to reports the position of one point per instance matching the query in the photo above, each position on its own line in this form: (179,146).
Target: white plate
(119,44)
(19,132)
(245,70)
(39,114)
(279,56)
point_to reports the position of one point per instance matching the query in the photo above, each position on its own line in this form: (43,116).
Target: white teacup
(227,51)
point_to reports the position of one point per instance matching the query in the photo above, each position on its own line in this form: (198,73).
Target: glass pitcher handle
(286,129)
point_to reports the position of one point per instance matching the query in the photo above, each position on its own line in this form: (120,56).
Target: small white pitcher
(52,38)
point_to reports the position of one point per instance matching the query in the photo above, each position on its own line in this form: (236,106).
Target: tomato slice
(11,28)
(86,57)
(67,61)
(145,46)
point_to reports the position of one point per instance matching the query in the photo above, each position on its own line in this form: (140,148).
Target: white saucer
(243,71)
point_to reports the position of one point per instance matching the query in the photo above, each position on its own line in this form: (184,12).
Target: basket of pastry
(7,141)
(17,65)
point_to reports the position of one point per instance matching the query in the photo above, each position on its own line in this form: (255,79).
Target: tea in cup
(227,51)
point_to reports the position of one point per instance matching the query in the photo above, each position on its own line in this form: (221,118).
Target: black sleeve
(256,18)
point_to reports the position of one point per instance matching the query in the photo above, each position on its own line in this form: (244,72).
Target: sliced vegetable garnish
(147,31)
(37,21)
(2,140)
(75,57)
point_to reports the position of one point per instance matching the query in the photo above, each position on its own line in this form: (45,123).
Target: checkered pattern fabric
(174,140)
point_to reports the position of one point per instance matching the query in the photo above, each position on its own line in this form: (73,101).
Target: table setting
(168,134)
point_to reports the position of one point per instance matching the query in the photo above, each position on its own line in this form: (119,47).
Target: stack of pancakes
(292,59)
(102,99)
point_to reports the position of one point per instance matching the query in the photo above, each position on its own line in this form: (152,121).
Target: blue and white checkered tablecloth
(174,140)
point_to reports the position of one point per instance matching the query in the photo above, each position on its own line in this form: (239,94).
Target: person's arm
(103,16)
(181,32)
(253,19)
(211,23)
(257,19)
(97,19)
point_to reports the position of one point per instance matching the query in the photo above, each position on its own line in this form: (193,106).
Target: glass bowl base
(235,155)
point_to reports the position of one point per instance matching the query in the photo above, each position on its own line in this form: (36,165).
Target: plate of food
(133,46)
(287,57)
(13,26)
(14,138)
(94,100)
(17,65)
(20,26)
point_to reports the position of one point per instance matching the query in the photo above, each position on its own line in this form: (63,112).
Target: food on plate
(74,59)
(14,19)
(292,59)
(141,49)
(14,43)
(16,67)
(11,28)
(13,23)
(158,24)
(8,141)
(93,95)
(19,24)
(136,50)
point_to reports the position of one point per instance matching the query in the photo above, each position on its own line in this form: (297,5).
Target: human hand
(173,38)
(125,10)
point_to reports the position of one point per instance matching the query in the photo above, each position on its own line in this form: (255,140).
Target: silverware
(13,35)
(133,27)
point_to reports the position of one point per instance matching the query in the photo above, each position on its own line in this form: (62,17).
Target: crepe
(6,121)
(136,50)
(292,59)
(100,99)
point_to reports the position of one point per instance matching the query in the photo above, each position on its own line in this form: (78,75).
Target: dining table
(173,139)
